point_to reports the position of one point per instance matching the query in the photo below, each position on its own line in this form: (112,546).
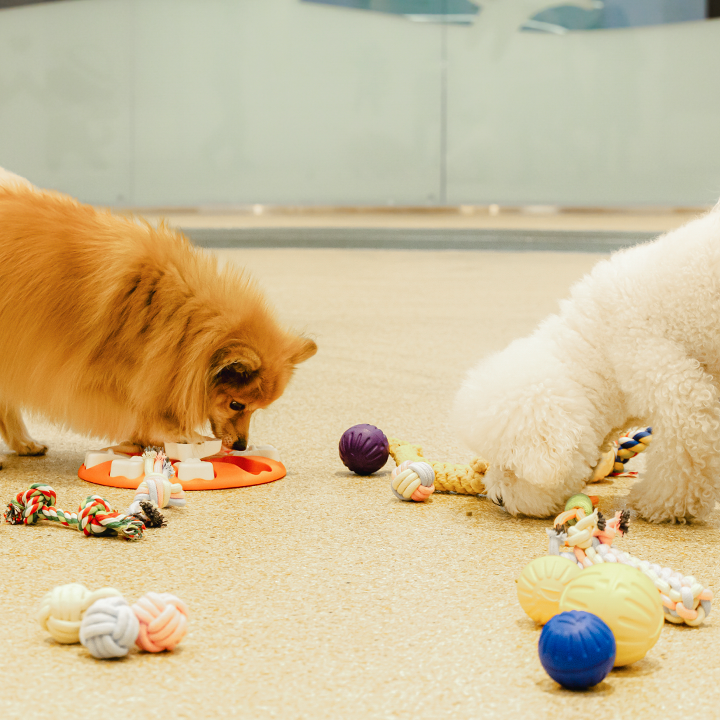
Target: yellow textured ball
(541,584)
(626,600)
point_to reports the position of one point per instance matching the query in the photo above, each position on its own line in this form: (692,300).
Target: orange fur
(121,330)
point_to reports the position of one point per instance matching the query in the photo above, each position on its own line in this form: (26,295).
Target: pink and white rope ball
(413,481)
(163,621)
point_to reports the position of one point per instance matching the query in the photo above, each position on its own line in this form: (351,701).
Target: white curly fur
(637,342)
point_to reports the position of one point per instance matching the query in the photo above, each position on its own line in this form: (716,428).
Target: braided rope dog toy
(94,517)
(589,542)
(461,479)
(612,463)
(468,479)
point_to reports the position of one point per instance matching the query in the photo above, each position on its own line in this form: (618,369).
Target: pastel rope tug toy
(156,489)
(104,622)
(449,477)
(589,542)
(62,610)
(612,463)
(156,622)
(94,517)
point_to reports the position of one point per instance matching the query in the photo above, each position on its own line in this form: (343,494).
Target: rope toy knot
(449,477)
(163,621)
(159,490)
(62,610)
(413,481)
(109,628)
(96,517)
(28,506)
(628,447)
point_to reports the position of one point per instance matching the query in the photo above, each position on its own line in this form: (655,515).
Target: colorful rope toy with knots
(589,542)
(156,488)
(94,517)
(104,622)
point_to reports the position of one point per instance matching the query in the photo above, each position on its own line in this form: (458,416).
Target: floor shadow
(646,666)
(549,686)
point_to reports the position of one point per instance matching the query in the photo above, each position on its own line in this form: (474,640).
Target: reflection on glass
(553,17)
(615,14)
(460,12)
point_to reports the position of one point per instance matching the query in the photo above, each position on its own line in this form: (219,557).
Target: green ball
(579,501)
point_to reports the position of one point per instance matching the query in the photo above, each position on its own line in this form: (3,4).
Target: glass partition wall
(364,102)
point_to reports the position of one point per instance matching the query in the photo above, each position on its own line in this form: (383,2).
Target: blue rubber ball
(577,649)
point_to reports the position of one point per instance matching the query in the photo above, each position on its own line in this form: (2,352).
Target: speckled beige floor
(321,596)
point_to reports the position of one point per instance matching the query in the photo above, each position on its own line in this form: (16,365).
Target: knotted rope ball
(62,610)
(109,628)
(413,481)
(163,621)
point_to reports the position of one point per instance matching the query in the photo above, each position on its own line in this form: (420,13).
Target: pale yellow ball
(541,584)
(626,600)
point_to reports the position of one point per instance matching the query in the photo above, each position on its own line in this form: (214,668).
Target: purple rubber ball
(364,449)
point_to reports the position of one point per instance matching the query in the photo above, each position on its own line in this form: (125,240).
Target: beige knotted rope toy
(449,477)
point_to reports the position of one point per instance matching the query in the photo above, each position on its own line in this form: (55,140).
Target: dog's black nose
(240,444)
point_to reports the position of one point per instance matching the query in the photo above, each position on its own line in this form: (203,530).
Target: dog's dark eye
(236,406)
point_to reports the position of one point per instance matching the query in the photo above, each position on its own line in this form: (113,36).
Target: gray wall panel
(607,117)
(275,101)
(66,97)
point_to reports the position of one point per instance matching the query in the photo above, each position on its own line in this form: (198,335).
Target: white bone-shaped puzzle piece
(185,451)
(97,457)
(194,469)
(131,467)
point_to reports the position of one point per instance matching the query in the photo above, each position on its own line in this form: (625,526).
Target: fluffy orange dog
(121,330)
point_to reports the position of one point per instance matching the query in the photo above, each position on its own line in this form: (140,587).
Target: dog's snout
(240,444)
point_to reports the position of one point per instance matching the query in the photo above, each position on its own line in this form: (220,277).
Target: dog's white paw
(661,510)
(30,448)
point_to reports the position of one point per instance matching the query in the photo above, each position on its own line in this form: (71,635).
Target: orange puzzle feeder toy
(197,466)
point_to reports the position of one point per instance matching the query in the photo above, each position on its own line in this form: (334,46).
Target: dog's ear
(301,349)
(235,362)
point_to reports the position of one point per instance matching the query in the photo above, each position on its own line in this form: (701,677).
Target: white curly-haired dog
(637,343)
